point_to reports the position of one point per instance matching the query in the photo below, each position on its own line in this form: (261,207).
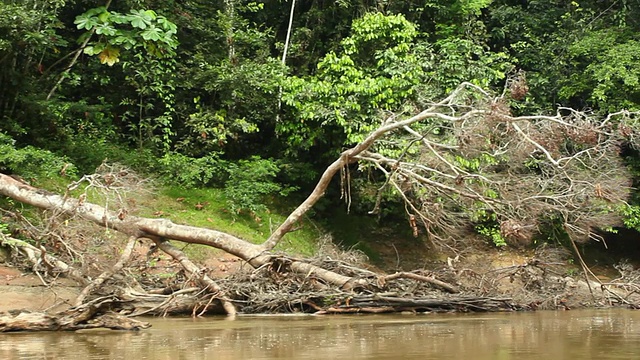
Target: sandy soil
(27,291)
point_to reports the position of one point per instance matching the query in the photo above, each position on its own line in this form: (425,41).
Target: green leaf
(138,22)
(152,33)
(96,11)
(141,19)
(94,50)
(84,22)
(118,18)
(105,29)
(104,16)
(150,14)
(168,26)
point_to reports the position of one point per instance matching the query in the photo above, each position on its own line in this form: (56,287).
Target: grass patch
(208,208)
(203,207)
(55,184)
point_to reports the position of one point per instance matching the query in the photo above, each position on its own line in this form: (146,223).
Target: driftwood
(386,304)
(92,315)
(188,301)
(26,321)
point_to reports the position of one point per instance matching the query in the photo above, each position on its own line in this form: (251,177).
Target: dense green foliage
(196,92)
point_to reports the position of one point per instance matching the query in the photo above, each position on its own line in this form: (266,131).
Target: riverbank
(544,278)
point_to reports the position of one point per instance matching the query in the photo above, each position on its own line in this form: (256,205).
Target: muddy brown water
(583,334)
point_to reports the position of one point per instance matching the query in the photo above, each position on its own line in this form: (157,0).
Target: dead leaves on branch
(471,161)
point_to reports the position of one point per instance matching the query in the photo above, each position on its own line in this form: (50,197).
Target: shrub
(191,172)
(249,181)
(31,161)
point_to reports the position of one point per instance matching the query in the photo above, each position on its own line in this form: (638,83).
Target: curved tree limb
(349,156)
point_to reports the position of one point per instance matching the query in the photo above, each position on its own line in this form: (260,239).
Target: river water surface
(584,334)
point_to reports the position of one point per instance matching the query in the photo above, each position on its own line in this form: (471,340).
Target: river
(580,334)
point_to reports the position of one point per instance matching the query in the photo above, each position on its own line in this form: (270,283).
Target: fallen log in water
(386,304)
(93,315)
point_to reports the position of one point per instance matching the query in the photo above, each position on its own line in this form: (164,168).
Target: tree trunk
(160,230)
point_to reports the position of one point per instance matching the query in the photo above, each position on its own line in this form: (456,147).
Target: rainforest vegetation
(510,121)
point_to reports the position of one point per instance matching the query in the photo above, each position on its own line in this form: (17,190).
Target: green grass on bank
(205,207)
(208,208)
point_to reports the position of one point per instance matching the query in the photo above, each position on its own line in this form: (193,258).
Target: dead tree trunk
(160,230)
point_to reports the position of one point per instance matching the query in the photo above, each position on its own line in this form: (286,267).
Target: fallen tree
(464,162)
(160,231)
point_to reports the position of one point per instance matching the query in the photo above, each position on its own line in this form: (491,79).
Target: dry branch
(92,315)
(126,254)
(349,156)
(36,257)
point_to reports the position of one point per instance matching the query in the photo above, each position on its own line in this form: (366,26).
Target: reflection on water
(610,334)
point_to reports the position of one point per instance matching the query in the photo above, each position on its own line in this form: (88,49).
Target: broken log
(93,315)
